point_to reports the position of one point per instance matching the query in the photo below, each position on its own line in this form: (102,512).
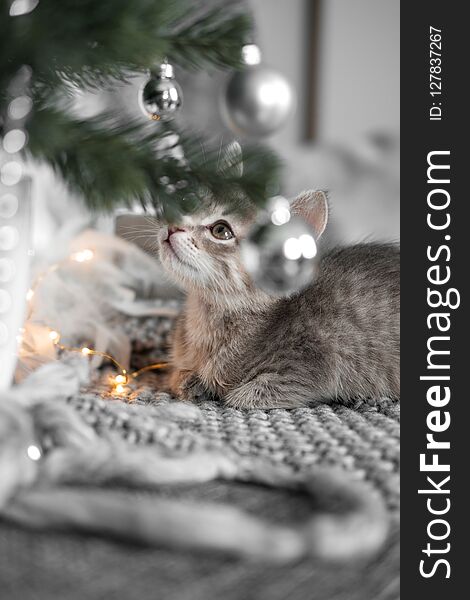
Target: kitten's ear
(313,207)
(231,160)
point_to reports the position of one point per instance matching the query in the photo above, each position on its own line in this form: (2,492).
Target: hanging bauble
(280,251)
(257,99)
(161,96)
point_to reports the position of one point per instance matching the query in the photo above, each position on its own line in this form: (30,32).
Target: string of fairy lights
(124,377)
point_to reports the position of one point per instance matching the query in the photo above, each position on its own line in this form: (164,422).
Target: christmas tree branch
(92,44)
(111,164)
(213,38)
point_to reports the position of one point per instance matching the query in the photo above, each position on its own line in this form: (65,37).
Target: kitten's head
(202,251)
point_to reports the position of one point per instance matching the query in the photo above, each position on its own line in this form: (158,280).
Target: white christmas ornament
(280,251)
(161,96)
(257,99)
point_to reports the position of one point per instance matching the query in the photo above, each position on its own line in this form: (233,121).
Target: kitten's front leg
(268,391)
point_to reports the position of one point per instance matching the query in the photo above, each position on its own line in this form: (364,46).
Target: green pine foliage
(92,44)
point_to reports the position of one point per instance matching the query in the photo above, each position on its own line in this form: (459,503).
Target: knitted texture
(363,438)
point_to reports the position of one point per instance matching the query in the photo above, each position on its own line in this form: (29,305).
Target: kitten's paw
(177,381)
(264,393)
(193,389)
(186,385)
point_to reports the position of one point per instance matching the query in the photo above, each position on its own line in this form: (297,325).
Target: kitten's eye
(221,230)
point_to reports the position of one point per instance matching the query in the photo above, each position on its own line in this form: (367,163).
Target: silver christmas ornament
(280,251)
(257,99)
(161,96)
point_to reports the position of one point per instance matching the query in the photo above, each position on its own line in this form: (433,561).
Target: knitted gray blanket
(362,439)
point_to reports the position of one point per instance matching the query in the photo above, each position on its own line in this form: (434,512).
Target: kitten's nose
(172,230)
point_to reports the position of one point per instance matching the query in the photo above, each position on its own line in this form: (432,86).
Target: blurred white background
(349,85)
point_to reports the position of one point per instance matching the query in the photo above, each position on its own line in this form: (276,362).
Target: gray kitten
(338,339)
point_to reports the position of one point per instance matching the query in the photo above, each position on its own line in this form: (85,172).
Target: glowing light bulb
(11,173)
(54,336)
(308,246)
(119,388)
(292,249)
(8,206)
(251,54)
(20,107)
(9,237)
(86,351)
(83,255)
(34,452)
(280,216)
(22,7)
(120,379)
(14,141)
